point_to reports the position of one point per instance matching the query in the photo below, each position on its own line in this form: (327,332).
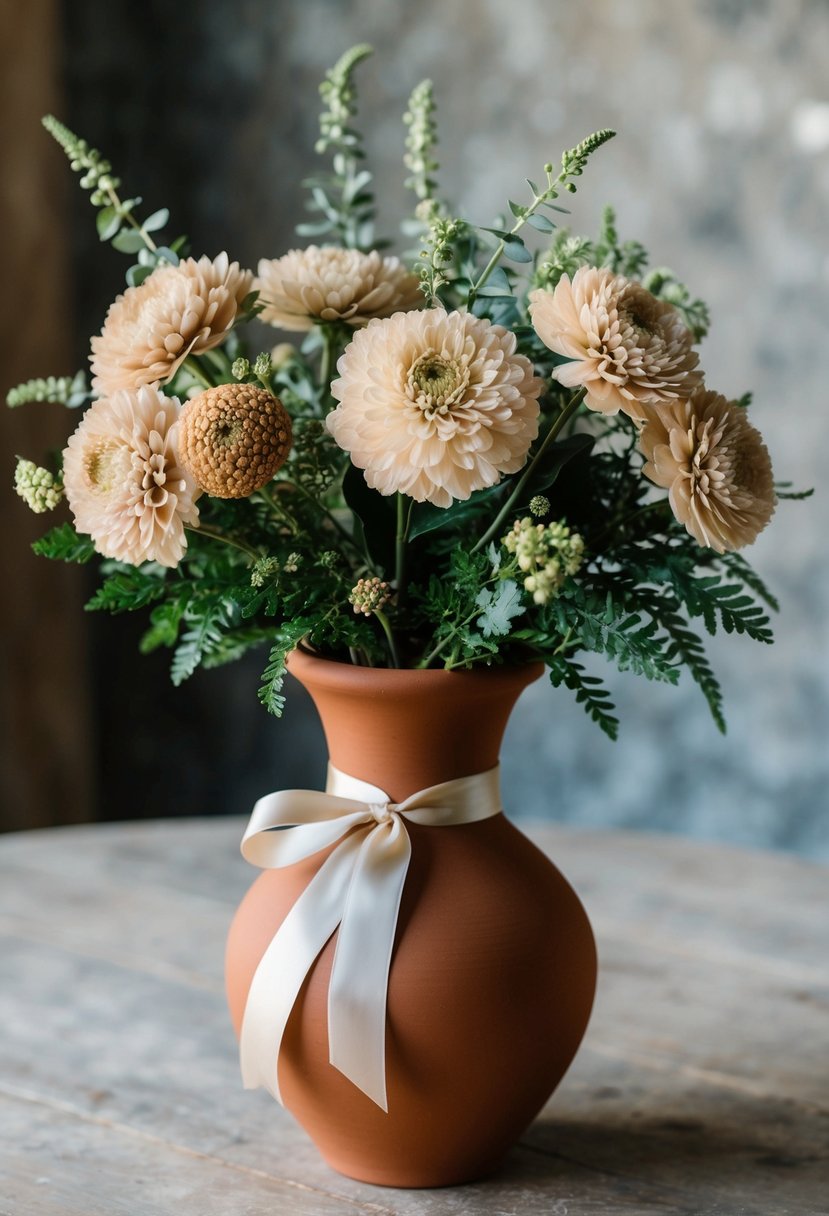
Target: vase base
(413,1179)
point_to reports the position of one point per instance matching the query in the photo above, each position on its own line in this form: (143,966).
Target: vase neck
(405,730)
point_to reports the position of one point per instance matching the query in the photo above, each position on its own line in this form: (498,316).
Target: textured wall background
(721,166)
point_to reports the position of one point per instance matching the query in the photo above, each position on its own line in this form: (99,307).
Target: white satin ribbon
(358,889)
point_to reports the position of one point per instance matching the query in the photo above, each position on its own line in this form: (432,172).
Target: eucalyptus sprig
(510,244)
(116,220)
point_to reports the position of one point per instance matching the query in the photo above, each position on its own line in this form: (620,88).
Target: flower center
(436,383)
(227,432)
(105,465)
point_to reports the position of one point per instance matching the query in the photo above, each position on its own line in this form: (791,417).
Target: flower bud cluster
(546,554)
(369,595)
(266,569)
(37,487)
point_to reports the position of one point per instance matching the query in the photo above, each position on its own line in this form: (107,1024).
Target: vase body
(494,967)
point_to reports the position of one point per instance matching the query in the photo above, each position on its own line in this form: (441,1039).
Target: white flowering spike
(37,487)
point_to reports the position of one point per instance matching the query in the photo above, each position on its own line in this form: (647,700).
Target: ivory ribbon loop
(357,889)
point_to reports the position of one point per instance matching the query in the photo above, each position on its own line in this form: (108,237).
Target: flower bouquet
(493,454)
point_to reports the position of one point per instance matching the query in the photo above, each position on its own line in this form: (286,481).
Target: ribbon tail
(286,963)
(360,975)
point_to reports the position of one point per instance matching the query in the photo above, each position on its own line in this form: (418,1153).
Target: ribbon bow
(358,890)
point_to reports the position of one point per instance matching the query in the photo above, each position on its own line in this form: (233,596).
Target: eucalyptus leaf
(317,229)
(128,241)
(540,222)
(107,221)
(157,220)
(137,274)
(516,250)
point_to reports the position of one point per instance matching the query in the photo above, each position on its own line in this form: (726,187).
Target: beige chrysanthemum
(179,310)
(715,466)
(233,438)
(435,404)
(123,480)
(330,284)
(627,347)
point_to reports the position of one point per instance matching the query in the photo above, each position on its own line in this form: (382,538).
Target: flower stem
(555,430)
(404,519)
(202,530)
(384,622)
(329,344)
(197,372)
(332,519)
(132,221)
(549,193)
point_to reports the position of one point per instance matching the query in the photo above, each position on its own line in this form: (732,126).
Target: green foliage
(129,589)
(280,567)
(116,220)
(64,544)
(202,639)
(589,690)
(499,606)
(665,285)
(273,677)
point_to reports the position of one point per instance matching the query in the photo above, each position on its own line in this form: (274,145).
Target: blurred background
(721,166)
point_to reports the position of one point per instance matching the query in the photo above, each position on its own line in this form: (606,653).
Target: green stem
(133,222)
(197,372)
(384,622)
(404,519)
(555,430)
(202,530)
(329,346)
(544,197)
(323,510)
(450,637)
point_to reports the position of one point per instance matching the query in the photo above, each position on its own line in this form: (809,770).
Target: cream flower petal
(124,482)
(323,283)
(151,329)
(628,348)
(715,466)
(434,404)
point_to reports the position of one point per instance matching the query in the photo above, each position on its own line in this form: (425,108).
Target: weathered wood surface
(702,1086)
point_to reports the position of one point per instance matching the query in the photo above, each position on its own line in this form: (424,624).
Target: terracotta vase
(494,968)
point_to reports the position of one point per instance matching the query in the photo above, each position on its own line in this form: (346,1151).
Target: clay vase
(494,968)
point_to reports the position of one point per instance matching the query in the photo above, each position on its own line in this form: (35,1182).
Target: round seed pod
(233,438)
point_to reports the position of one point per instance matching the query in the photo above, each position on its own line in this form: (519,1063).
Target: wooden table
(701,1086)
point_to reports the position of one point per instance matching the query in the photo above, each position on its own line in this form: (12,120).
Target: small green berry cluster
(39,489)
(546,554)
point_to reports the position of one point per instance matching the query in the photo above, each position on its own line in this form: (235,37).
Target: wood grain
(45,745)
(701,1086)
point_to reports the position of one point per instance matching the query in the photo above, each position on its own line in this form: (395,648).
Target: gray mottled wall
(721,165)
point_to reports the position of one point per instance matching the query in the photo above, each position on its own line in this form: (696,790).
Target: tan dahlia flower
(123,480)
(179,310)
(434,404)
(715,466)
(627,347)
(329,284)
(233,438)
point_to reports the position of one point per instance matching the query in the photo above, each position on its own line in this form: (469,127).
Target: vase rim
(335,673)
